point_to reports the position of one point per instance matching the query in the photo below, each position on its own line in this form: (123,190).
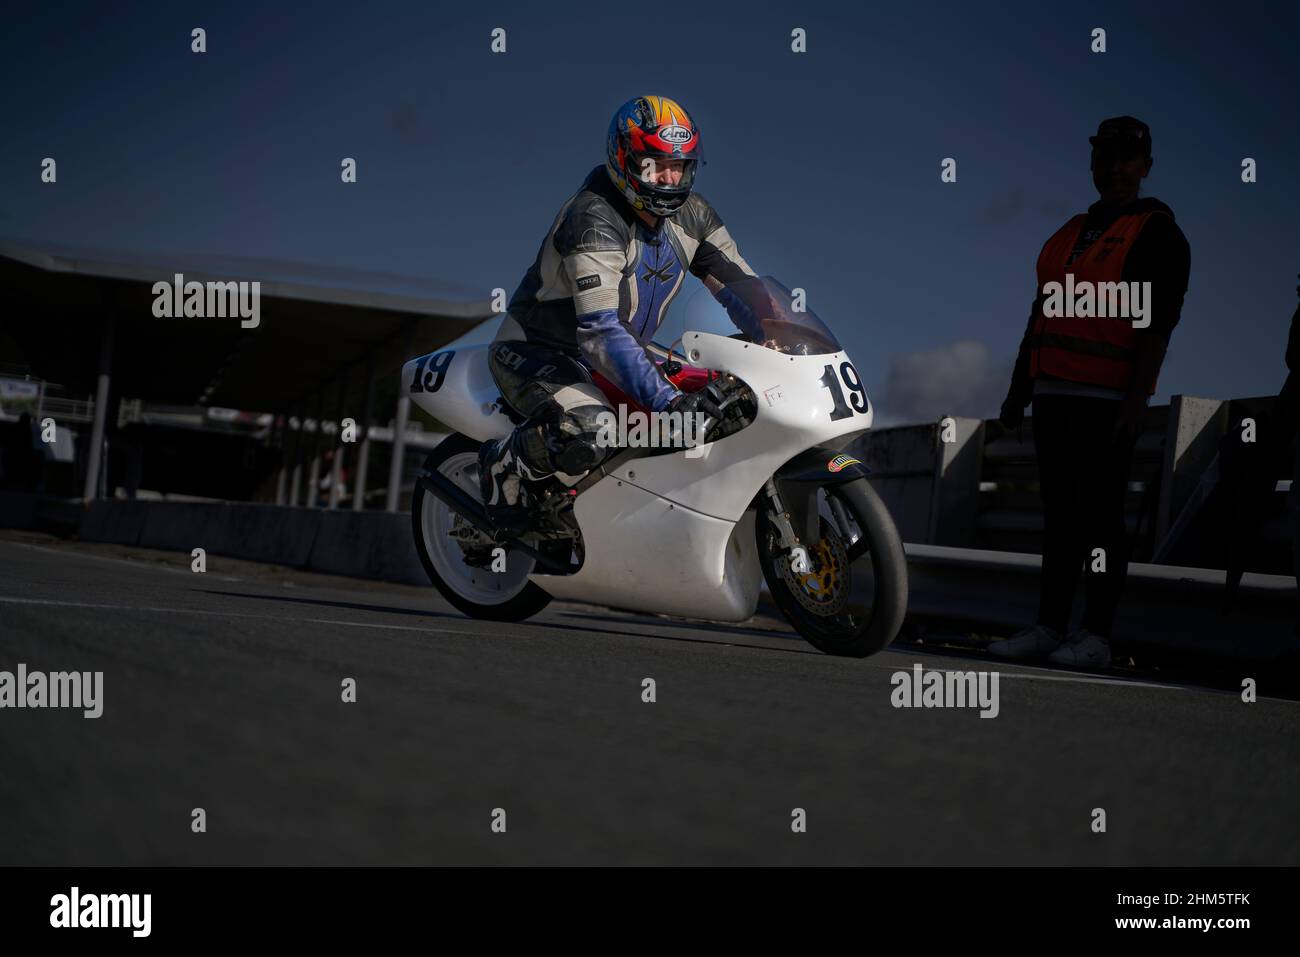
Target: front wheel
(851,597)
(458,559)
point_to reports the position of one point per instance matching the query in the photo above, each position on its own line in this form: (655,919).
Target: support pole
(280,429)
(336,473)
(395,468)
(313,470)
(363,454)
(94,453)
(295,476)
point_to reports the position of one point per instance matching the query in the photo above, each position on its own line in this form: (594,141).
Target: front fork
(789,541)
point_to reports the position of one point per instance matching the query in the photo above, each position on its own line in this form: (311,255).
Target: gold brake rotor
(824,589)
(822,583)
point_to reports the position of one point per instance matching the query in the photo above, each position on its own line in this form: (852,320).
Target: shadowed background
(825,165)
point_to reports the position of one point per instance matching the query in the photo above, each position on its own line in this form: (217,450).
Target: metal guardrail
(980,489)
(67,410)
(1178,609)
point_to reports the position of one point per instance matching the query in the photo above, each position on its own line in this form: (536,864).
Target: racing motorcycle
(689,532)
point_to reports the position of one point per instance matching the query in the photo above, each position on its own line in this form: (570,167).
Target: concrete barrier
(268,533)
(369,544)
(18,509)
(183,526)
(374,545)
(117,523)
(928,476)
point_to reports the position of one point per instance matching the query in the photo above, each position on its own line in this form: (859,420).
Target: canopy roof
(319,326)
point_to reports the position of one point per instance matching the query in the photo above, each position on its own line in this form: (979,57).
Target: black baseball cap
(1123,134)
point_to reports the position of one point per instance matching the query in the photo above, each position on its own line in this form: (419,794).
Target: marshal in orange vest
(1096,351)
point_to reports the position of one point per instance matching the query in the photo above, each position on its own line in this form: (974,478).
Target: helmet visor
(666,173)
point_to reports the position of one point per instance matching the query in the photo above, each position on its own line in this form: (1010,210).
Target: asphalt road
(222,691)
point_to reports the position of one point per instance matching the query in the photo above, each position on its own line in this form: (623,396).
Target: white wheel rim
(479,585)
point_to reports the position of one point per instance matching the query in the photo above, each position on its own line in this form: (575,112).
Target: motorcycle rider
(613,260)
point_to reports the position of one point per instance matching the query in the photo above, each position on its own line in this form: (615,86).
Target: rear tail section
(455,386)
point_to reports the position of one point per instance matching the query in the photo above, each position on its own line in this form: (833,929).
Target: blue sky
(824,165)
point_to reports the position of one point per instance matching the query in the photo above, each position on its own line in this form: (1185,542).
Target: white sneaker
(1083,649)
(1032,642)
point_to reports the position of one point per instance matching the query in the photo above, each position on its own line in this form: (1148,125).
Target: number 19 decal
(857,394)
(430,379)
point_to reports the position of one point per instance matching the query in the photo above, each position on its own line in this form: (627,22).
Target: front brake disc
(823,589)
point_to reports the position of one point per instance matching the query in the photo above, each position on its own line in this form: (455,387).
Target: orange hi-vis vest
(1095,351)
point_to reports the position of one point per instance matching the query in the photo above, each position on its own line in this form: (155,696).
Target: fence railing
(980,488)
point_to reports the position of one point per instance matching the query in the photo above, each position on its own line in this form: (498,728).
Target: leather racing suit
(593,298)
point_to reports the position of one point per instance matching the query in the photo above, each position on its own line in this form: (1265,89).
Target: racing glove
(707,400)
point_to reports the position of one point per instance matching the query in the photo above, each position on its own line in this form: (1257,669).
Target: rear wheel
(457,557)
(852,597)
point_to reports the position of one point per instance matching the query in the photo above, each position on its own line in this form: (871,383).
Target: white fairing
(647,554)
(670,533)
(794,413)
(461,393)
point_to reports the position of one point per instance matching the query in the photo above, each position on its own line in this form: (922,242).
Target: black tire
(525,604)
(856,631)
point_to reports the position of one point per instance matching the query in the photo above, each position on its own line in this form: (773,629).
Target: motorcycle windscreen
(776,317)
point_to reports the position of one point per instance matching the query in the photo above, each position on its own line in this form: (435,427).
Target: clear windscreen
(766,311)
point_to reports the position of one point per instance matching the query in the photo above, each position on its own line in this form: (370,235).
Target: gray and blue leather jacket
(602,282)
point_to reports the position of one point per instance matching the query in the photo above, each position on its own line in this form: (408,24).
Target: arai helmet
(645,130)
